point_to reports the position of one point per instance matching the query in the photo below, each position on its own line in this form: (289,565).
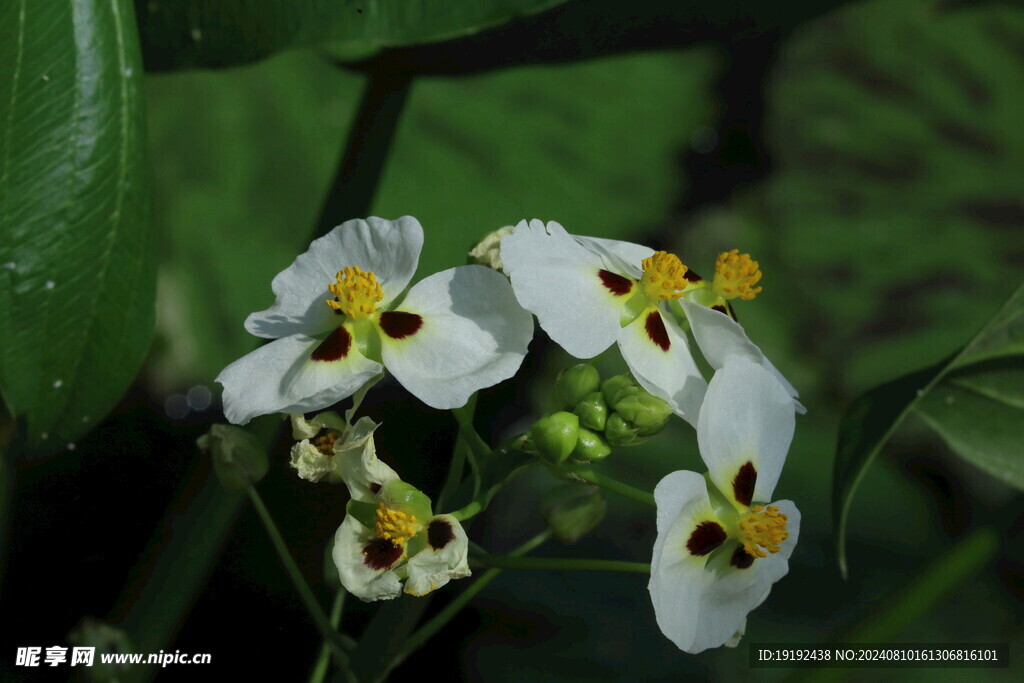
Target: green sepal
(592,411)
(619,433)
(618,387)
(398,495)
(648,413)
(575,383)
(365,513)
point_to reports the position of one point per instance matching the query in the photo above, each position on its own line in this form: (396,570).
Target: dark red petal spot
(335,347)
(705,538)
(743,484)
(375,487)
(439,534)
(381,553)
(655,327)
(398,324)
(692,276)
(741,559)
(616,284)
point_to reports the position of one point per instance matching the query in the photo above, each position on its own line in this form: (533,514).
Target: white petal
(307,429)
(746,421)
(558,280)
(431,568)
(617,256)
(391,249)
(358,578)
(355,462)
(734,593)
(677,577)
(280,377)
(473,334)
(670,374)
(720,337)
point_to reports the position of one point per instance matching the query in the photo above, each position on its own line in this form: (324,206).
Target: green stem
(428,630)
(613,485)
(478,448)
(324,660)
(327,631)
(562,564)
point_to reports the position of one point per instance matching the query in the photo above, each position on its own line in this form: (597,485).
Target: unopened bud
(239,459)
(648,413)
(573,510)
(590,447)
(592,411)
(619,387)
(575,383)
(618,432)
(554,436)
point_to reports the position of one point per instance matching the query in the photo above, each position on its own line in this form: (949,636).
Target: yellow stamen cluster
(763,529)
(325,443)
(356,292)
(664,276)
(735,276)
(394,525)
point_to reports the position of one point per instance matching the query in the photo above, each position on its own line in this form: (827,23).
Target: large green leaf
(977,407)
(194,33)
(76,287)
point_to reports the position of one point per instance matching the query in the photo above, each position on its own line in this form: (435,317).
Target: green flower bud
(590,447)
(592,411)
(398,495)
(619,387)
(572,511)
(648,413)
(239,459)
(573,384)
(554,436)
(618,432)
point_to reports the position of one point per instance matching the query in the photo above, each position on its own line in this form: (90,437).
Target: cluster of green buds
(596,416)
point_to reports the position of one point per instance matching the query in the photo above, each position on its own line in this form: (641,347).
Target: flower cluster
(343,317)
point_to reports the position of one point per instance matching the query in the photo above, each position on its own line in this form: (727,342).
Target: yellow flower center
(664,276)
(394,525)
(763,529)
(356,292)
(325,443)
(735,276)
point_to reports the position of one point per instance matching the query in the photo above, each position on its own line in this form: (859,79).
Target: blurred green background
(872,160)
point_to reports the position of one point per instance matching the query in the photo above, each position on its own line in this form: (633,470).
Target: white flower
(588,293)
(718,552)
(336,323)
(330,448)
(375,548)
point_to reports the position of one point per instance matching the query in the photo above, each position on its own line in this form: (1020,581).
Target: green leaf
(77,281)
(975,407)
(196,33)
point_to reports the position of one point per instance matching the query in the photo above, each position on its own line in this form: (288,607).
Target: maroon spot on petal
(398,324)
(615,283)
(691,276)
(375,487)
(743,484)
(655,327)
(439,534)
(335,347)
(720,309)
(380,554)
(705,538)
(741,559)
